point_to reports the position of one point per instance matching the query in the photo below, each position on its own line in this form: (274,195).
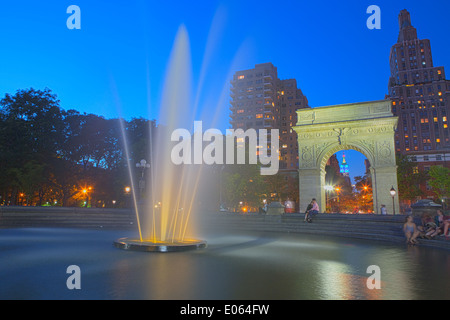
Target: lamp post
(338,190)
(144,165)
(327,188)
(127,190)
(393,192)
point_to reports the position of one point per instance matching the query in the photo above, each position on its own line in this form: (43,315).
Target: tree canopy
(49,155)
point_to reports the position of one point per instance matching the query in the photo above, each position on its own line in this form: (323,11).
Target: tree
(364,196)
(440,181)
(409,178)
(39,115)
(30,131)
(30,179)
(244,183)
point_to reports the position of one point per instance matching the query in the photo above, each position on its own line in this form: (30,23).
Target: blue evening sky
(120,55)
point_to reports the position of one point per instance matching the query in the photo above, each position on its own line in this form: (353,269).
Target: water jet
(165,210)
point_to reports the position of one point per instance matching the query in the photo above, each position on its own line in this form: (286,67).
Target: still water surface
(33,265)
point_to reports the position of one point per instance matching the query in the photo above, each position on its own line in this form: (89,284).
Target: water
(169,202)
(234,266)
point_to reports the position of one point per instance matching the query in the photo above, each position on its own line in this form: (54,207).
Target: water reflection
(234,266)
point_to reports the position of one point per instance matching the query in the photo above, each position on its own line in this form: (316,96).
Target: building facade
(420,97)
(260,100)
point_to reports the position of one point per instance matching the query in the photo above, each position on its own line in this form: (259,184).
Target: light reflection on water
(234,266)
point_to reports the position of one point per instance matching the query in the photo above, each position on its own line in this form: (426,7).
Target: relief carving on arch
(384,153)
(368,145)
(306,156)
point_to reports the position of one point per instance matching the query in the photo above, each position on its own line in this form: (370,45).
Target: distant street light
(393,192)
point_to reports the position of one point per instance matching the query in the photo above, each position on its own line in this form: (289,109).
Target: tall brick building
(260,100)
(420,97)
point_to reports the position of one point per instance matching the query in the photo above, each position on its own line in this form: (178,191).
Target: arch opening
(347,183)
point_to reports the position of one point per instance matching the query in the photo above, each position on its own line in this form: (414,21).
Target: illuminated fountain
(164,216)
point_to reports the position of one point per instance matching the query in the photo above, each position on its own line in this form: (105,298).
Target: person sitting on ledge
(410,230)
(311,210)
(442,223)
(428,227)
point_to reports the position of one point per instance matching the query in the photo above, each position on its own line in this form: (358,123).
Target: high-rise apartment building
(260,100)
(420,97)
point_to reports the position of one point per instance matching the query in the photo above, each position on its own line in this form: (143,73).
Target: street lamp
(327,188)
(144,165)
(86,192)
(127,190)
(393,192)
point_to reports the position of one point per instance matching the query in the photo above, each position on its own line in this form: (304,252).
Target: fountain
(165,211)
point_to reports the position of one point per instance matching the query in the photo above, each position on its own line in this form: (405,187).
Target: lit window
(439,93)
(444,118)
(438,140)
(445,126)
(241,77)
(259,116)
(240,111)
(439,71)
(435,119)
(284,146)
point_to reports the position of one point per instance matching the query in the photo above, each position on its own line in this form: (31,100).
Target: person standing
(383,210)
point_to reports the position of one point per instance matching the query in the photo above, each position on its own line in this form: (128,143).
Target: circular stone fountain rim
(147,246)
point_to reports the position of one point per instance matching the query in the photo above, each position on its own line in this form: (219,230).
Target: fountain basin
(159,246)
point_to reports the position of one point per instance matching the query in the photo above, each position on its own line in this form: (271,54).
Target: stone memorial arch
(367,127)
